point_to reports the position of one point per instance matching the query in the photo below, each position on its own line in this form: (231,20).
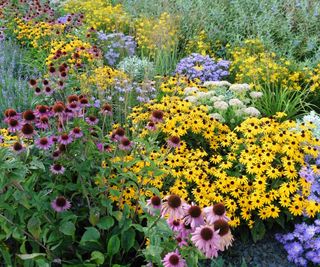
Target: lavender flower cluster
(303,244)
(116,46)
(204,68)
(312,177)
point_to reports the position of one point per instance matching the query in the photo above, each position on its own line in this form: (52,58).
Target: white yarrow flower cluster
(221,105)
(216,84)
(235,102)
(239,88)
(256,95)
(190,90)
(252,112)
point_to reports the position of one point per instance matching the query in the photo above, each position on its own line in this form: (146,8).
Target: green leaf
(91,234)
(258,231)
(67,228)
(97,257)
(34,227)
(127,239)
(113,245)
(30,256)
(105,223)
(6,255)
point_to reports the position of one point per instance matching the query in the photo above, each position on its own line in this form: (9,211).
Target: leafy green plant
(276,99)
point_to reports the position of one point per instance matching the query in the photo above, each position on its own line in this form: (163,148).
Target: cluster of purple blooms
(117,46)
(303,244)
(312,177)
(204,68)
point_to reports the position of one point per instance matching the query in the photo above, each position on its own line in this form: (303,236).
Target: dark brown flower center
(125,141)
(221,225)
(194,211)
(176,222)
(42,109)
(158,114)
(174,259)
(57,167)
(107,107)
(155,201)
(48,89)
(92,118)
(44,141)
(175,140)
(65,137)
(44,119)
(73,98)
(120,131)
(28,115)
(61,201)
(219,209)
(206,233)
(174,201)
(17,146)
(76,130)
(13,122)
(10,113)
(27,129)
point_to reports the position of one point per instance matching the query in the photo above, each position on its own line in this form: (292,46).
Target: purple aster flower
(60,204)
(204,68)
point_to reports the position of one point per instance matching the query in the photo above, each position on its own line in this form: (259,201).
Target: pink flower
(193,216)
(173,206)
(76,132)
(206,239)
(44,143)
(153,205)
(157,116)
(215,212)
(60,204)
(92,120)
(125,144)
(151,126)
(181,241)
(173,259)
(175,224)
(224,232)
(174,141)
(14,125)
(65,139)
(57,169)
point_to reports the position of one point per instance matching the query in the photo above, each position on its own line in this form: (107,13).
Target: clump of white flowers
(226,102)
(312,121)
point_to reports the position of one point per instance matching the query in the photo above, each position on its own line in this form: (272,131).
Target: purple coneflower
(57,168)
(193,216)
(125,144)
(154,204)
(48,91)
(58,108)
(56,154)
(119,133)
(27,130)
(76,132)
(74,106)
(10,114)
(14,125)
(17,147)
(224,232)
(92,120)
(106,109)
(215,212)
(104,147)
(44,143)
(173,206)
(43,122)
(41,110)
(206,239)
(60,204)
(65,139)
(151,126)
(175,224)
(37,91)
(181,241)
(157,116)
(28,116)
(173,259)
(174,141)
(84,102)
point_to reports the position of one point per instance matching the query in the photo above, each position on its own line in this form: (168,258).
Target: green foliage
(277,99)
